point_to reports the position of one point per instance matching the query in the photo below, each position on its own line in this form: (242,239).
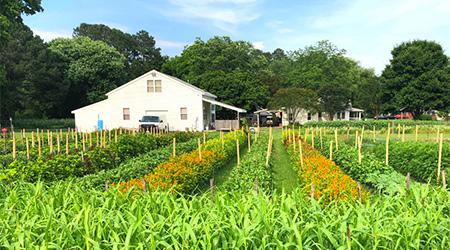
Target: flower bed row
(253,166)
(330,183)
(138,166)
(57,167)
(372,170)
(185,172)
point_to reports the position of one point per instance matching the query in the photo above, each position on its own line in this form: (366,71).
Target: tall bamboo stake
(300,151)
(374,134)
(115,136)
(28,149)
(199,149)
(59,146)
(248,136)
(76,141)
(39,145)
(174,146)
(387,146)
(67,144)
(237,149)
(97,138)
(32,139)
(14,144)
(440,156)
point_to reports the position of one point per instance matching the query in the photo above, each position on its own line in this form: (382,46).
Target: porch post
(359,116)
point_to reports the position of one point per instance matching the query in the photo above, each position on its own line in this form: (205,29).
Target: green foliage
(417,78)
(334,97)
(232,70)
(288,99)
(418,158)
(379,124)
(40,123)
(92,69)
(369,93)
(425,117)
(65,215)
(139,49)
(253,166)
(10,14)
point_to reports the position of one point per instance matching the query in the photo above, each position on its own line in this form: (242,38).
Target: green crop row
(55,167)
(253,166)
(372,170)
(66,216)
(418,158)
(138,166)
(379,124)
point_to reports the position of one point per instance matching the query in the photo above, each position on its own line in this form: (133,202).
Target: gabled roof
(89,106)
(198,90)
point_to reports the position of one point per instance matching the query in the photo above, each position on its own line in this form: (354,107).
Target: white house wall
(86,118)
(172,97)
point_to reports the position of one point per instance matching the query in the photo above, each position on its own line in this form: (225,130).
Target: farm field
(156,195)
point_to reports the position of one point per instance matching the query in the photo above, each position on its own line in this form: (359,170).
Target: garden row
(189,171)
(51,167)
(319,176)
(254,172)
(67,216)
(381,124)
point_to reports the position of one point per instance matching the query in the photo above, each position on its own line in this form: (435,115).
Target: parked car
(401,116)
(385,117)
(148,122)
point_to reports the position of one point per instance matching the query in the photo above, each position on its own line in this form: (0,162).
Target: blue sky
(366,29)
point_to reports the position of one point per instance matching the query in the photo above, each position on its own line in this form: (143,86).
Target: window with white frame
(154,86)
(309,116)
(126,113)
(183,112)
(343,115)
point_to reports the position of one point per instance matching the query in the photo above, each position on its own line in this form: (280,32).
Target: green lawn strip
(221,175)
(285,177)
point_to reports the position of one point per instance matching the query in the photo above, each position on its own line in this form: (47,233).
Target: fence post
(440,156)
(359,193)
(331,150)
(174,145)
(144,185)
(199,149)
(312,190)
(237,151)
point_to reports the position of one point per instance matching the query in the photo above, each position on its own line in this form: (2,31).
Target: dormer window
(154,86)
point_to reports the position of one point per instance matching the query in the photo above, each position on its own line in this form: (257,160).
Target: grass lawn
(285,178)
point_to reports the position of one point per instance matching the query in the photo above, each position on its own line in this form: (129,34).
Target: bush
(425,117)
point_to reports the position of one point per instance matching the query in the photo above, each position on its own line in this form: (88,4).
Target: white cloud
(50,35)
(224,14)
(168,44)
(259,45)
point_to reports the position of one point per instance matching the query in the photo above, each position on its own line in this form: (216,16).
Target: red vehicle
(401,117)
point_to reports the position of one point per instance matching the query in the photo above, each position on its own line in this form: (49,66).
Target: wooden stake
(248,136)
(387,147)
(348,130)
(443,178)
(398,132)
(199,149)
(50,143)
(14,144)
(440,157)
(407,183)
(22,134)
(300,151)
(204,138)
(90,140)
(359,151)
(67,144)
(84,144)
(76,140)
(237,149)
(268,153)
(58,142)
(39,145)
(32,139)
(115,136)
(144,185)
(374,134)
(28,149)
(174,145)
(312,190)
(321,143)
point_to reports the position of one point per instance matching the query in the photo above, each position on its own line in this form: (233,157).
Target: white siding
(86,118)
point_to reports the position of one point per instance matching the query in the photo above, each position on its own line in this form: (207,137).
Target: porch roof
(239,110)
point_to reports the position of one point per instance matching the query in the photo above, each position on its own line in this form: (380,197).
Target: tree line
(48,80)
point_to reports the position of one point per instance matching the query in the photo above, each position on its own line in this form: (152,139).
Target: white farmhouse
(179,104)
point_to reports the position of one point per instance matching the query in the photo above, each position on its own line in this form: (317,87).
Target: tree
(32,86)
(368,94)
(10,13)
(334,97)
(293,100)
(417,78)
(139,49)
(233,70)
(92,68)
(317,65)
